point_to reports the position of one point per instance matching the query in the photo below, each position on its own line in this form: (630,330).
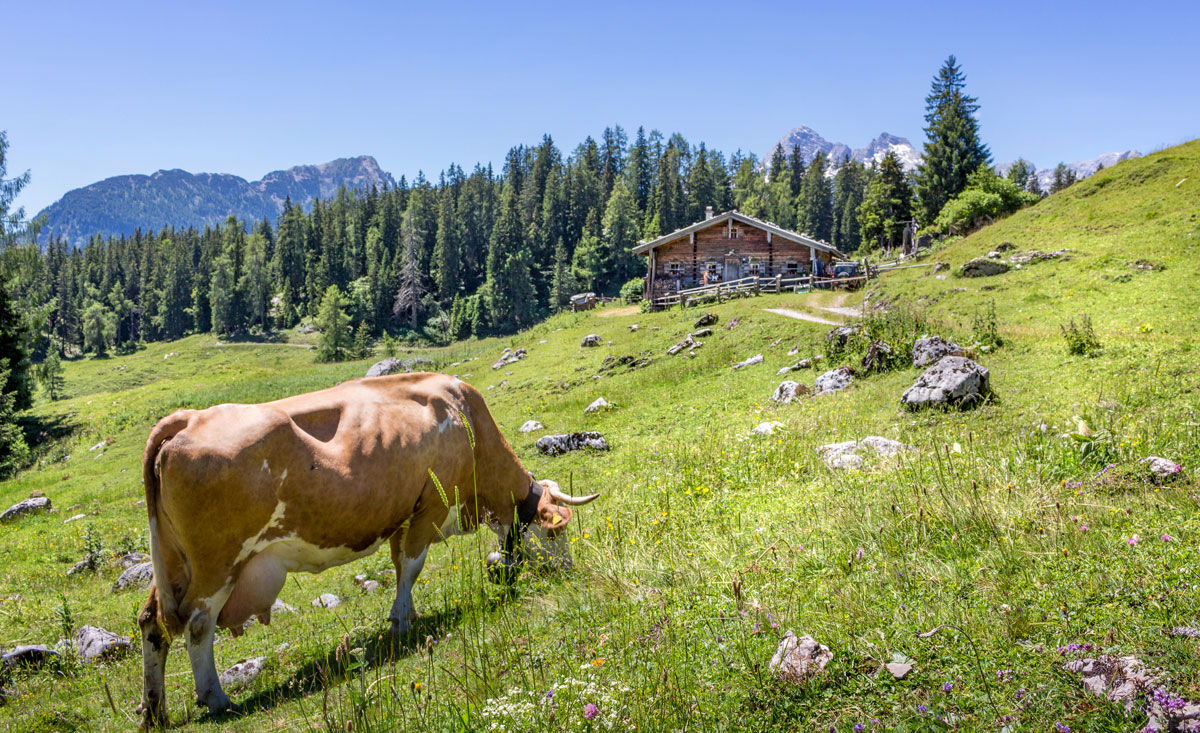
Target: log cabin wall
(682,263)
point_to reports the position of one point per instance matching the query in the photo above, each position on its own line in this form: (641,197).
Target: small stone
(598,405)
(242,673)
(632,327)
(370,586)
(327,600)
(756,359)
(702,333)
(898,670)
(590,340)
(554,445)
(35,505)
(98,446)
(130,559)
(1162,469)
(135,577)
(95,644)
(280,607)
(794,350)
(766,428)
(798,659)
(707,319)
(529,426)
(74,518)
(79,567)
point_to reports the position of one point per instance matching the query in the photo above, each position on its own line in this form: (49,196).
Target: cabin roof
(644,248)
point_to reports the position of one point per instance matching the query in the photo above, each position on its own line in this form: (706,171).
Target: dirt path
(801,316)
(629,310)
(837,307)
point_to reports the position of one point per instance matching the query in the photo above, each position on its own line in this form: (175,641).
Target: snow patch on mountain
(810,142)
(1082,168)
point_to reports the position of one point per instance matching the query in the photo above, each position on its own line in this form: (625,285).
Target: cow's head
(541,539)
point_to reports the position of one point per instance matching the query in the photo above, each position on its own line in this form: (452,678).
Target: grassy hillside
(708,542)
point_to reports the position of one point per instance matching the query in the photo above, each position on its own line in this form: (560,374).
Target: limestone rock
(838,337)
(95,644)
(242,673)
(701,333)
(953,380)
(687,342)
(789,391)
(74,518)
(879,357)
(1161,469)
(280,607)
(393,365)
(834,380)
(756,359)
(707,319)
(36,505)
(766,428)
(529,426)
(930,349)
(849,454)
(130,559)
(554,445)
(590,340)
(898,670)
(28,656)
(597,406)
(633,327)
(799,659)
(327,600)
(983,267)
(79,567)
(135,577)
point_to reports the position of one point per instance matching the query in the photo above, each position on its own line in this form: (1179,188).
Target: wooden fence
(751,285)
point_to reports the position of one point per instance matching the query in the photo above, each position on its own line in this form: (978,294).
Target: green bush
(1081,339)
(631,292)
(986,196)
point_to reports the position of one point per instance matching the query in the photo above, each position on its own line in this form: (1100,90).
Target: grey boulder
(28,656)
(954,380)
(1161,469)
(554,445)
(529,426)
(983,267)
(797,659)
(135,577)
(930,349)
(590,340)
(788,391)
(707,319)
(243,673)
(36,505)
(95,644)
(756,359)
(327,600)
(834,380)
(393,365)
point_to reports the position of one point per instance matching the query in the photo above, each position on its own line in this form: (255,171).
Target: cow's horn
(562,498)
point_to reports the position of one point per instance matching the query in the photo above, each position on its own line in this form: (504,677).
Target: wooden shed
(730,246)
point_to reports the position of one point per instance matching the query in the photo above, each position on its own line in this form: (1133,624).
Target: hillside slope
(709,542)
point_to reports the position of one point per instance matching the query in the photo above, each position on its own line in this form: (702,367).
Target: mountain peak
(176,198)
(810,142)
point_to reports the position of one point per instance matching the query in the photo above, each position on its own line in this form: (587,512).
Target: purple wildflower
(1133,540)
(1167,538)
(1004,675)
(859,728)
(549,694)
(1061,728)
(1020,694)
(948,687)
(922,709)
(590,711)
(859,555)
(1169,702)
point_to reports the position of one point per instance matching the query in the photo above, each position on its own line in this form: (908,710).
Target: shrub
(631,292)
(984,328)
(987,196)
(1081,339)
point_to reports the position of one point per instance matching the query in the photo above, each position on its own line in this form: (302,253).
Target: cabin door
(733,269)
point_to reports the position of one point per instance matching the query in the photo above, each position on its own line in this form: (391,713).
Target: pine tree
(953,149)
(287,265)
(701,188)
(814,207)
(362,342)
(1063,178)
(222,296)
(620,235)
(796,163)
(778,167)
(14,329)
(849,185)
(99,328)
(334,325)
(254,286)
(563,284)
(510,298)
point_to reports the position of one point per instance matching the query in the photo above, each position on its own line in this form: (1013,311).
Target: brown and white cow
(240,495)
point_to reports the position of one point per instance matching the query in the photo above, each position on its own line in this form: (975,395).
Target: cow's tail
(163,544)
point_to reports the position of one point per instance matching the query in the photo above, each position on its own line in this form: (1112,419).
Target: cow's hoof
(152,717)
(217,703)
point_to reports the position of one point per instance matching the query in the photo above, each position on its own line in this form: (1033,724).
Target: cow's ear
(553,518)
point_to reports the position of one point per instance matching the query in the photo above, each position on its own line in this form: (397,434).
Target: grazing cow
(240,495)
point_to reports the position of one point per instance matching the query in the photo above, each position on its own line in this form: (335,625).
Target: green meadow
(1021,526)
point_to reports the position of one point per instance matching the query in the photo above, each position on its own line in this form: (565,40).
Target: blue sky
(92,90)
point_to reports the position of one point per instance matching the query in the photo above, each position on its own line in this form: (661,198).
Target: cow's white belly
(298,556)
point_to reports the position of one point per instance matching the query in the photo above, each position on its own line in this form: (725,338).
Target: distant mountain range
(176,198)
(810,143)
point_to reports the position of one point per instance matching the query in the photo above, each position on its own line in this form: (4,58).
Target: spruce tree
(334,325)
(887,207)
(953,149)
(621,236)
(362,341)
(14,348)
(411,292)
(1063,178)
(13,449)
(99,328)
(50,375)
(814,208)
(446,256)
(796,163)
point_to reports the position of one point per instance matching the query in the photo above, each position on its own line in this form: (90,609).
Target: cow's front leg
(407,570)
(204,667)
(153,708)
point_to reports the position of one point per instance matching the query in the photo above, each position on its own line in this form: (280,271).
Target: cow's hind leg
(407,570)
(154,659)
(204,667)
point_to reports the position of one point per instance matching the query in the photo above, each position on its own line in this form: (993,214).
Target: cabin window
(675,269)
(735,232)
(791,267)
(710,267)
(754,268)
